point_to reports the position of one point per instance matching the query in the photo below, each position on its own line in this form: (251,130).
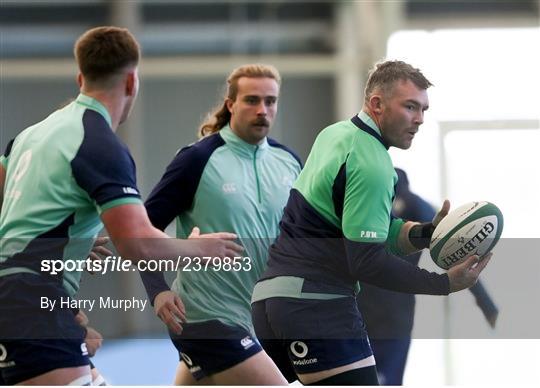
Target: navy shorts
(211,346)
(308,335)
(33,340)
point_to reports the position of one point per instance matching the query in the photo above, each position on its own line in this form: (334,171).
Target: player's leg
(45,362)
(259,369)
(97,378)
(275,348)
(361,372)
(42,346)
(326,340)
(356,377)
(223,354)
(63,376)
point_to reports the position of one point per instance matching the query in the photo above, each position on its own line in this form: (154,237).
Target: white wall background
(480,142)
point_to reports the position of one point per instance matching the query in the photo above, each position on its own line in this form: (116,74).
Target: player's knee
(84,380)
(99,380)
(359,376)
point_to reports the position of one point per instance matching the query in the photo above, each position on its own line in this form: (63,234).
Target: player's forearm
(371,263)
(136,239)
(156,245)
(404,243)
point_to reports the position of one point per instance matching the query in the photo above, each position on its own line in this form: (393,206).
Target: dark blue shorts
(308,335)
(33,340)
(210,347)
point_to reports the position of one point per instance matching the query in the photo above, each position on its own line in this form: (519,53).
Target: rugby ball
(473,228)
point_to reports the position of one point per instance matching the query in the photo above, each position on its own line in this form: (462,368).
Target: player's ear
(229,104)
(79,79)
(132,83)
(376,103)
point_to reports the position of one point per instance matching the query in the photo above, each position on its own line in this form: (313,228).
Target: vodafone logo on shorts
(299,349)
(3,353)
(84,350)
(189,362)
(3,357)
(187,359)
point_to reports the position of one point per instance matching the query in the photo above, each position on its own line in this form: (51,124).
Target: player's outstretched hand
(170,309)
(465,274)
(196,233)
(221,244)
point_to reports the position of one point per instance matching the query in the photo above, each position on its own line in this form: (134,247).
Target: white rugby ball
(473,228)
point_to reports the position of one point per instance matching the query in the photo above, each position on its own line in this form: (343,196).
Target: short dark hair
(385,74)
(103,52)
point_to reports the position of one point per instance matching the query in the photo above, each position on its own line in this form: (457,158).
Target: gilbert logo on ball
(473,228)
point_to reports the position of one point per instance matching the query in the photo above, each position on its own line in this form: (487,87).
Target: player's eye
(270,101)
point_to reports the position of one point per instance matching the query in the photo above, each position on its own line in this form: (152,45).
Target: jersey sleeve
(176,190)
(371,263)
(393,236)
(367,201)
(154,283)
(103,166)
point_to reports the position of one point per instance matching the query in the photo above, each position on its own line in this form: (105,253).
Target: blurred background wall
(482,56)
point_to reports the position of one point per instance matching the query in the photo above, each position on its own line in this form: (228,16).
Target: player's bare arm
(135,238)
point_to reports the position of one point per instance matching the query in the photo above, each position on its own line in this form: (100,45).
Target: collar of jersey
(366,124)
(239,146)
(95,105)
(369,121)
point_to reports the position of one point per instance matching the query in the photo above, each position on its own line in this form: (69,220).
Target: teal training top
(61,173)
(223,184)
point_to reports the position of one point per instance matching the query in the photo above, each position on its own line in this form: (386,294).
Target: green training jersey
(337,227)
(223,184)
(61,173)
